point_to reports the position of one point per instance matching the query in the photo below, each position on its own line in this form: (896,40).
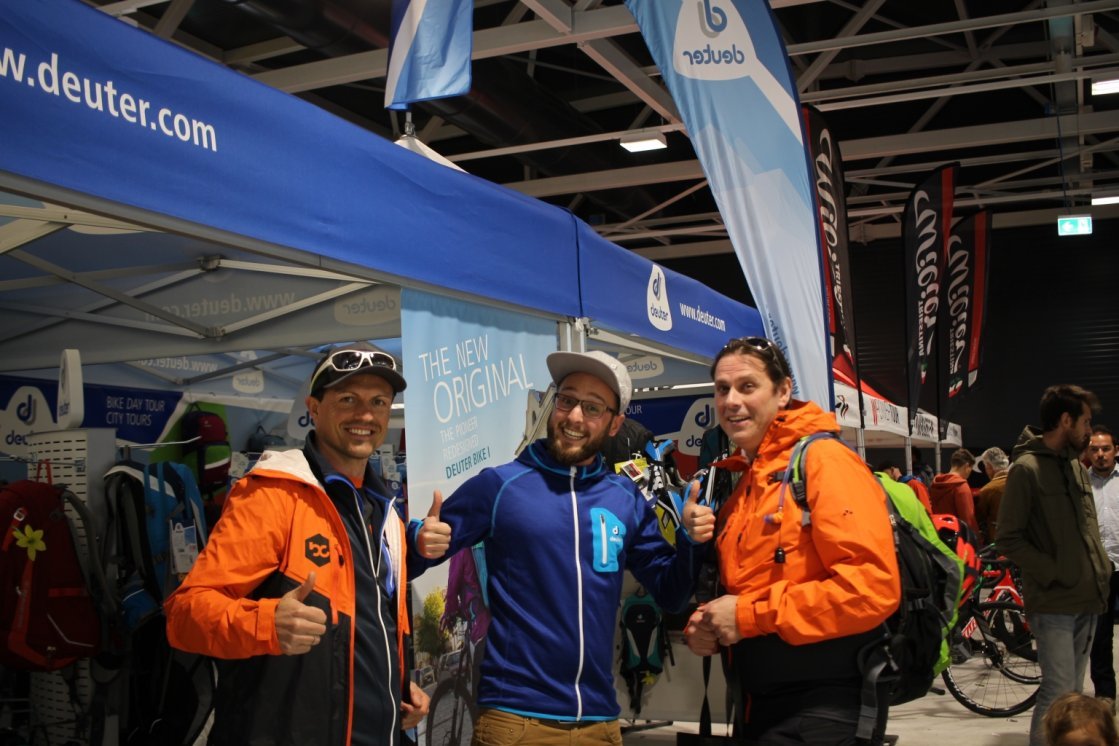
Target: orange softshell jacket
(839,576)
(278,526)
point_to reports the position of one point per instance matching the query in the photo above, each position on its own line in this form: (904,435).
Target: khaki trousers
(498,728)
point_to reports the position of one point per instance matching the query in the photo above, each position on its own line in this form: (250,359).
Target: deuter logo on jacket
(656,301)
(317,549)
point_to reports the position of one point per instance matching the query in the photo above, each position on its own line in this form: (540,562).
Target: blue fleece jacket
(557,541)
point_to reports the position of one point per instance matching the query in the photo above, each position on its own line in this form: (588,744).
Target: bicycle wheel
(994,669)
(450,720)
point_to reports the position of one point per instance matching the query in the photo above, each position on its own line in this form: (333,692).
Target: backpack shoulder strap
(794,476)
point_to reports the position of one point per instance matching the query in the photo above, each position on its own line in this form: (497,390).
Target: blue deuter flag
(430,52)
(726,67)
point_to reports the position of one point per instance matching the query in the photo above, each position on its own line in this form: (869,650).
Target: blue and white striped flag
(430,52)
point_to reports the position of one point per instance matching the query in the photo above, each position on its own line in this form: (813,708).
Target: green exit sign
(1074,225)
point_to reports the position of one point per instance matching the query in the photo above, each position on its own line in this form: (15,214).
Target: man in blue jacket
(559,530)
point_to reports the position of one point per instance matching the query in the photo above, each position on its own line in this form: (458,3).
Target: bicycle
(994,669)
(453,712)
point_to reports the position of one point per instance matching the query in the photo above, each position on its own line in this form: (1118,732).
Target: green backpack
(913,649)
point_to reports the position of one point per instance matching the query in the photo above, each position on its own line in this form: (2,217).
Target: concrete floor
(935,720)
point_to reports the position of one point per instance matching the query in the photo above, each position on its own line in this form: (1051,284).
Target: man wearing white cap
(560,528)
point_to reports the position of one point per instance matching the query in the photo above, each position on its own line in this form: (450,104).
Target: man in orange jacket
(300,591)
(800,601)
(950,493)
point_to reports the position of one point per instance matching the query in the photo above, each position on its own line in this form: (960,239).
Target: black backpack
(900,665)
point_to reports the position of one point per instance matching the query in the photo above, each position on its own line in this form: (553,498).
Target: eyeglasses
(758,344)
(592,410)
(347,361)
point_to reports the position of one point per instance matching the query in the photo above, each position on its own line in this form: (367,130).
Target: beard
(572,455)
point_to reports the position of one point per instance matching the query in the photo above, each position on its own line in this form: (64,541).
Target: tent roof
(193,210)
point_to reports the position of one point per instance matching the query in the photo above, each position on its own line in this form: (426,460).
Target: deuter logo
(25,410)
(318,549)
(372,307)
(700,417)
(248,381)
(649,366)
(656,301)
(712,42)
(704,417)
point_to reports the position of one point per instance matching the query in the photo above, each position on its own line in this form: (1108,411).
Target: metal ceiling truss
(966,51)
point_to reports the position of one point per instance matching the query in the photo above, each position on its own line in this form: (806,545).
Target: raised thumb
(436,505)
(304,590)
(693,491)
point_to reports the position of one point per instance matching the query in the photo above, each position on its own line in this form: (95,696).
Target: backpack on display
(901,665)
(155,510)
(644,645)
(161,525)
(207,449)
(261,440)
(48,616)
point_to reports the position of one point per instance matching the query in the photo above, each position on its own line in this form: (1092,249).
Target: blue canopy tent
(260,186)
(157,206)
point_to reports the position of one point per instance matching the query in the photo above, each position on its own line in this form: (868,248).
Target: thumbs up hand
(699,520)
(434,537)
(299,627)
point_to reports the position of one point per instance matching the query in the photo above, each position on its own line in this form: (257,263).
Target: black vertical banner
(961,311)
(926,227)
(827,168)
(982,276)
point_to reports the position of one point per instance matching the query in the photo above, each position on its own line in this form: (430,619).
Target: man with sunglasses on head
(802,594)
(559,529)
(300,591)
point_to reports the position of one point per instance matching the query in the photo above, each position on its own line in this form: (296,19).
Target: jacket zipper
(579,595)
(375,565)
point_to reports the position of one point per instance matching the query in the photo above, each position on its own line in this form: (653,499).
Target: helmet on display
(959,537)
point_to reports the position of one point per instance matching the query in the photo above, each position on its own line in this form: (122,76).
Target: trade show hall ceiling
(1002,86)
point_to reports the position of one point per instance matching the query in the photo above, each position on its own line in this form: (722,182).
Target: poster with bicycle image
(474,376)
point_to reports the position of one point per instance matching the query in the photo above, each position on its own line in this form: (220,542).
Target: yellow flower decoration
(31,540)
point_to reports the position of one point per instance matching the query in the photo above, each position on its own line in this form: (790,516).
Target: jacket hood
(289,464)
(950,478)
(537,456)
(1030,442)
(791,424)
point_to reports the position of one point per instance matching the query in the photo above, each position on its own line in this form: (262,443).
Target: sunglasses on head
(759,344)
(347,361)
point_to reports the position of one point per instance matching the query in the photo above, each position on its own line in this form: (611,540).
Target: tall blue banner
(430,52)
(472,375)
(727,70)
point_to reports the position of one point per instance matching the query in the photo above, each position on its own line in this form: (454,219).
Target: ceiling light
(636,142)
(1110,200)
(1105,86)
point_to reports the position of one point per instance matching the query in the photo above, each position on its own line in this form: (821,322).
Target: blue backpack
(161,521)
